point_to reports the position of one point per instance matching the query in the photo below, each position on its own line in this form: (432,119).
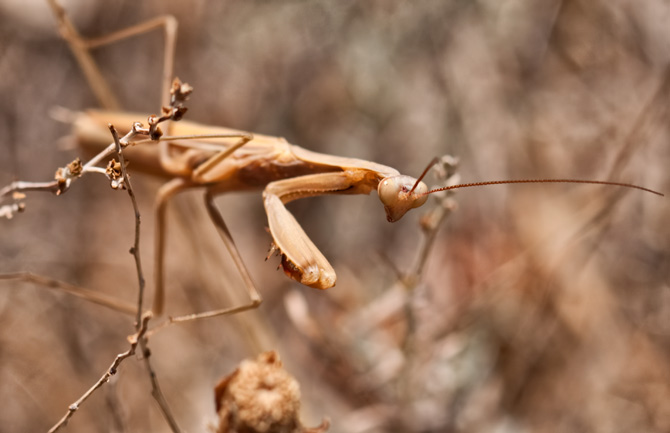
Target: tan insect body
(284,171)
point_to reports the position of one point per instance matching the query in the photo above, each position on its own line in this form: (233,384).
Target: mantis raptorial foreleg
(301,259)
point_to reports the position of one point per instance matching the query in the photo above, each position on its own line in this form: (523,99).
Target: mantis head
(401,193)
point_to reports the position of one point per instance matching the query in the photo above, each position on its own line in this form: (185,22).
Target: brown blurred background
(541,308)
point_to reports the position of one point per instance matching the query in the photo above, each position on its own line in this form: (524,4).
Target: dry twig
(111,371)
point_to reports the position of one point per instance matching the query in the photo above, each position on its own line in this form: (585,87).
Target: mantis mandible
(221,160)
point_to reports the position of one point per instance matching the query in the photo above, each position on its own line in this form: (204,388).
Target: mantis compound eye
(399,194)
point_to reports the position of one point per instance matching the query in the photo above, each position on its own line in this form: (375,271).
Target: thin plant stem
(111,371)
(135,250)
(156,392)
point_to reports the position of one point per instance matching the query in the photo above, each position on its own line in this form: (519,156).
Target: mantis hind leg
(81,48)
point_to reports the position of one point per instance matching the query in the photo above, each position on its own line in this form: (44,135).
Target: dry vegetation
(541,308)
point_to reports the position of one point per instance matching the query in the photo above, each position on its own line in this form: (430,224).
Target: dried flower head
(260,397)
(64,175)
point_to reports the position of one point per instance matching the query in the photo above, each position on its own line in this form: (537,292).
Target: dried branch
(157,393)
(86,294)
(66,176)
(111,371)
(431,221)
(118,175)
(135,250)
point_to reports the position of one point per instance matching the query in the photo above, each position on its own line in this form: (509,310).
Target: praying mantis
(220,160)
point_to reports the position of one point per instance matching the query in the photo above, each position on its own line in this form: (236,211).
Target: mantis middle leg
(166,192)
(226,237)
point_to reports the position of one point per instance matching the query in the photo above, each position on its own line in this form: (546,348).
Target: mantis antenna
(501,182)
(425,171)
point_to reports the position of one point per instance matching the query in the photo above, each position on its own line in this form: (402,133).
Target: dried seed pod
(261,397)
